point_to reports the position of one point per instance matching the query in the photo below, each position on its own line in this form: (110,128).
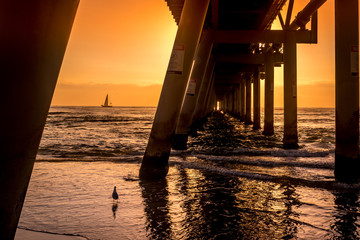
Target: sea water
(231,183)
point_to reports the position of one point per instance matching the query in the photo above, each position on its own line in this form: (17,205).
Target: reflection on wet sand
(114,209)
(219,207)
(156,200)
(346,215)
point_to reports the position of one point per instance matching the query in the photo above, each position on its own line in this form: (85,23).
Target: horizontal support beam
(225,87)
(222,82)
(234,68)
(228,80)
(260,36)
(248,58)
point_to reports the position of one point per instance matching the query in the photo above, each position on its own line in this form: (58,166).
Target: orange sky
(123,47)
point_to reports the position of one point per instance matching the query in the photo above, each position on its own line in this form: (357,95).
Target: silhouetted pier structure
(232,47)
(221,51)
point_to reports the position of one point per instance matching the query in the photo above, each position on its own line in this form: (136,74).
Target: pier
(222,50)
(241,50)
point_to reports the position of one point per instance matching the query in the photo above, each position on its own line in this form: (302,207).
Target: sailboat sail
(106,103)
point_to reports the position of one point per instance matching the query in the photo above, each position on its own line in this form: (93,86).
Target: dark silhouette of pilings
(269,96)
(210,101)
(290,92)
(205,92)
(155,161)
(248,101)
(256,99)
(34,35)
(242,100)
(347,162)
(192,94)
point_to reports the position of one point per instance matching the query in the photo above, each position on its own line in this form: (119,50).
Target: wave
(54,233)
(57,113)
(282,152)
(328,185)
(90,118)
(124,159)
(266,163)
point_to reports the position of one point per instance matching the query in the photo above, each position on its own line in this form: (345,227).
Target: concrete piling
(192,94)
(211,95)
(155,161)
(242,99)
(248,101)
(347,164)
(203,96)
(269,96)
(290,92)
(256,100)
(34,35)
(236,101)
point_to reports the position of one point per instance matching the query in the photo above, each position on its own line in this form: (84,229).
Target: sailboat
(106,103)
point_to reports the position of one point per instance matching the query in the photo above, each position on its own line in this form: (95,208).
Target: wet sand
(22,234)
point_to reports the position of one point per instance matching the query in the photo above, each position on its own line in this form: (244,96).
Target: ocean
(231,183)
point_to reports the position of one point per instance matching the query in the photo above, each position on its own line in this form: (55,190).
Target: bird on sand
(115,195)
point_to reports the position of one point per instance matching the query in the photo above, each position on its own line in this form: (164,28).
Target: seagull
(115,196)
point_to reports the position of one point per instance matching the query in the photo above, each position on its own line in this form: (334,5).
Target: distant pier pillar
(212,103)
(231,102)
(242,99)
(347,164)
(203,96)
(248,101)
(192,94)
(200,110)
(34,36)
(256,99)
(269,96)
(155,161)
(210,95)
(236,101)
(290,92)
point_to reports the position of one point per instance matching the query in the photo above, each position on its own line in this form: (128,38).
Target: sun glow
(123,47)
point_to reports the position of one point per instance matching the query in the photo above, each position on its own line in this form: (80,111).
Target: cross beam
(261,36)
(248,58)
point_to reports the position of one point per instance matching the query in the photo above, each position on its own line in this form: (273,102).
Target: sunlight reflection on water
(75,197)
(231,183)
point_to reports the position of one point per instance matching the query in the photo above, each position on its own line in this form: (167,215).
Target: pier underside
(242,50)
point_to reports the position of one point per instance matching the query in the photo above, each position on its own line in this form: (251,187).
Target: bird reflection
(114,209)
(115,197)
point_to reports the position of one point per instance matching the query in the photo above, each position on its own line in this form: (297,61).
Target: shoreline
(27,234)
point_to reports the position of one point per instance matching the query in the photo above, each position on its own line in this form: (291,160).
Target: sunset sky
(123,47)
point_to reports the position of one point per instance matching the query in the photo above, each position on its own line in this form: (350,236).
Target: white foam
(284,152)
(265,177)
(268,163)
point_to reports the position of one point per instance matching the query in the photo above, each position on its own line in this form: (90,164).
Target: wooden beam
(260,36)
(248,58)
(281,21)
(271,14)
(288,14)
(234,68)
